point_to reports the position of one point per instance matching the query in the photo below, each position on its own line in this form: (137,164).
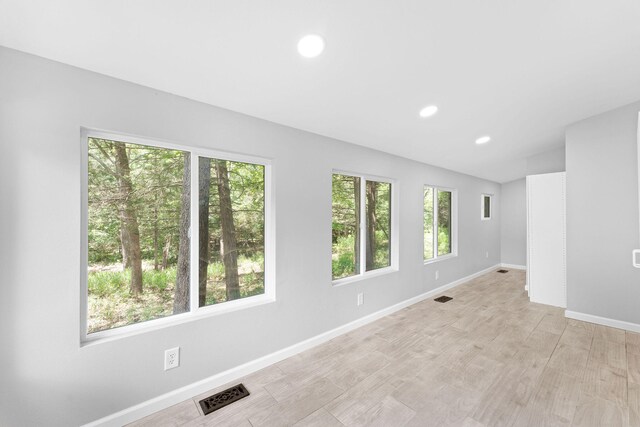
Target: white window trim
(395,225)
(195,312)
(454,224)
(364,276)
(482,217)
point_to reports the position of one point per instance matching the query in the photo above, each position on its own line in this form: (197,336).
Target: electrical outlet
(360,299)
(486,255)
(171,358)
(437,274)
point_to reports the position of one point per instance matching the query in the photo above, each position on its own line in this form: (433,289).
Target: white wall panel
(546,239)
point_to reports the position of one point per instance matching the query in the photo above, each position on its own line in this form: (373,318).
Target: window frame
(482,206)
(393,257)
(454,224)
(195,311)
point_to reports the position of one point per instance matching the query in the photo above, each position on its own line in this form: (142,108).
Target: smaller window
(439,223)
(486,207)
(362,236)
(231,232)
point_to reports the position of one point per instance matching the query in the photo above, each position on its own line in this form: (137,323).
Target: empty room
(319,213)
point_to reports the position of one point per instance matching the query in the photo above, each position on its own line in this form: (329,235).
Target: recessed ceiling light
(311,46)
(428,111)
(483,140)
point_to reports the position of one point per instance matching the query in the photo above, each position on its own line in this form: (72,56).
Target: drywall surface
(43,105)
(513,222)
(602,215)
(546,243)
(547,162)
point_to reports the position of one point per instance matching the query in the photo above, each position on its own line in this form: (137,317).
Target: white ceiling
(519,71)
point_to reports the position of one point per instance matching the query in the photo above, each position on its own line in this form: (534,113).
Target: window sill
(173,320)
(364,276)
(440,258)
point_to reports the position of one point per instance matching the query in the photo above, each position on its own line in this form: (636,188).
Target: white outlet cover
(360,298)
(171,358)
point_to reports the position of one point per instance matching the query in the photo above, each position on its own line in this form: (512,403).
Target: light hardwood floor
(487,358)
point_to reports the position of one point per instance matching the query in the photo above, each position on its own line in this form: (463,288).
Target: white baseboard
(605,321)
(513,266)
(171,398)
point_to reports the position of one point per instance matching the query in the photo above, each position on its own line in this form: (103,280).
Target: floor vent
(503,271)
(224,398)
(443,299)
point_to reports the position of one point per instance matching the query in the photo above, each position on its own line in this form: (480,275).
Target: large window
(155,248)
(361,226)
(439,225)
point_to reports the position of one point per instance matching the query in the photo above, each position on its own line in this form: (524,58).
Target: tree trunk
(356,239)
(229,244)
(181,298)
(204,174)
(165,253)
(124,245)
(371,223)
(128,219)
(156,250)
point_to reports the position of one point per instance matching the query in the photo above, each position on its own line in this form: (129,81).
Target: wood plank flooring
(487,358)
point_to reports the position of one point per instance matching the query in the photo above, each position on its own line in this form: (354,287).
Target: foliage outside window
(361,226)
(486,206)
(139,223)
(231,230)
(438,228)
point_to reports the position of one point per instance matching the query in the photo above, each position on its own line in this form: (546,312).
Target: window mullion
(194,244)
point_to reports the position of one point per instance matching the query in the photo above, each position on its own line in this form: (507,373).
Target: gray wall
(513,222)
(513,207)
(43,104)
(547,162)
(602,215)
